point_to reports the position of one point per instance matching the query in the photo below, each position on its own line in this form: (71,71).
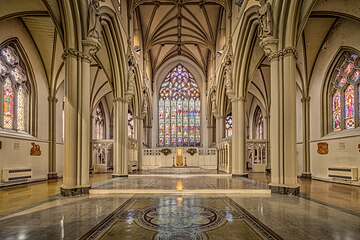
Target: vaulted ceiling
(171,28)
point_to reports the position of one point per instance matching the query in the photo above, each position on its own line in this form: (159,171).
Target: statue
(213,101)
(94,19)
(131,78)
(228,73)
(265,18)
(145,105)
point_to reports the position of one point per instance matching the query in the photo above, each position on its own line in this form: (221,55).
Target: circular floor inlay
(176,218)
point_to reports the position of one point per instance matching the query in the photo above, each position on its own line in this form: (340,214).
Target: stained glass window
(8,104)
(259,123)
(130,125)
(99,122)
(15,90)
(179,109)
(21,98)
(336,111)
(349,107)
(228,125)
(347,74)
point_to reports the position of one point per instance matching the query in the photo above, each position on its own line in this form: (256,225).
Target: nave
(331,210)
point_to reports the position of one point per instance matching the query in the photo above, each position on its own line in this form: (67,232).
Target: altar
(179,158)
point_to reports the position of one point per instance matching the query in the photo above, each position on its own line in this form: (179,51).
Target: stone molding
(71,52)
(242,99)
(119,99)
(305,99)
(52,99)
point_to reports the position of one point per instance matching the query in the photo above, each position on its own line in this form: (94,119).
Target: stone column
(283,118)
(139,136)
(306,137)
(220,128)
(77,119)
(52,174)
(239,137)
(120,160)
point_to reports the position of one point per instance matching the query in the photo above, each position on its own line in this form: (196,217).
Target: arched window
(228,125)
(15,88)
(259,124)
(99,122)
(179,109)
(130,125)
(344,84)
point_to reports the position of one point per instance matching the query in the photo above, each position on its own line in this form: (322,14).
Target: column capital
(242,99)
(284,52)
(52,99)
(74,53)
(305,99)
(119,99)
(91,46)
(270,46)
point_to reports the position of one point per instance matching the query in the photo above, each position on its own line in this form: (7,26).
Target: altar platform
(180,170)
(180,184)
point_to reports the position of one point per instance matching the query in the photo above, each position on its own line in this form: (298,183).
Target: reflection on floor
(343,197)
(180,183)
(180,217)
(331,213)
(15,198)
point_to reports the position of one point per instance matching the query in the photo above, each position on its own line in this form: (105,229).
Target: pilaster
(52,174)
(139,136)
(306,173)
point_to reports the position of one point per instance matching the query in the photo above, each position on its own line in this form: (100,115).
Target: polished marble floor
(324,211)
(18,197)
(179,183)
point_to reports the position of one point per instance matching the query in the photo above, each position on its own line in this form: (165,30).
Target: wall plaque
(35,150)
(323,148)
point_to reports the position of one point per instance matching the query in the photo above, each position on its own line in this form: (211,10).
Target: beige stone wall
(343,146)
(10,158)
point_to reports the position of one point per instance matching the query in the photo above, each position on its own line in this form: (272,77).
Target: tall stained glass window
(131,133)
(14,85)
(228,125)
(179,109)
(345,82)
(258,124)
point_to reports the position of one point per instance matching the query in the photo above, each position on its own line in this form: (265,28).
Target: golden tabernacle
(179,158)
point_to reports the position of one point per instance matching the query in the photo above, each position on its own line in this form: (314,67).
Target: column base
(285,189)
(52,175)
(70,192)
(306,175)
(120,175)
(245,175)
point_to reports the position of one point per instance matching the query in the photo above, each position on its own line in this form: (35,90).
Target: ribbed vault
(170,28)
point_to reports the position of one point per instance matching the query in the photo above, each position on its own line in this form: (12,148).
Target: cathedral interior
(180,119)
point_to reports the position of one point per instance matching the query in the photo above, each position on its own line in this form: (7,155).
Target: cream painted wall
(343,146)
(10,158)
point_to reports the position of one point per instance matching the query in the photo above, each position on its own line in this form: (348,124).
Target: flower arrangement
(192,151)
(165,151)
